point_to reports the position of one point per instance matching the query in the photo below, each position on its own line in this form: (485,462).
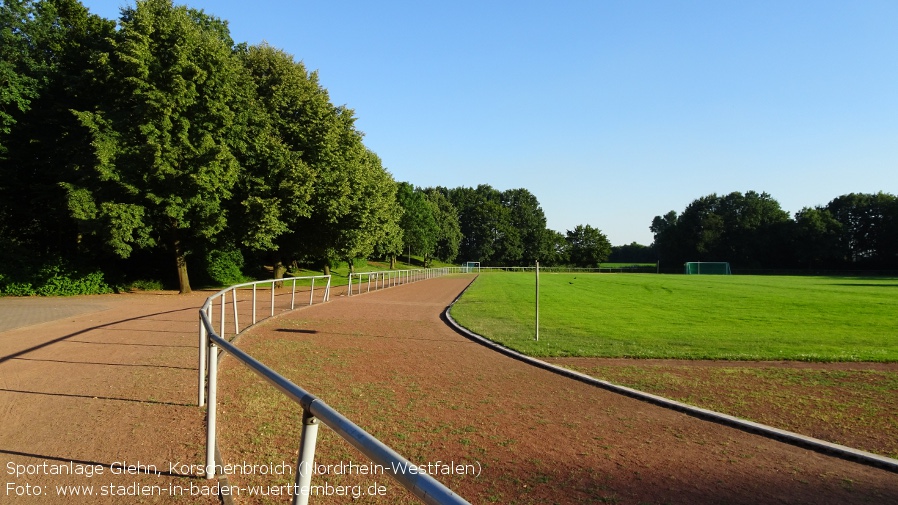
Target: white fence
(368,281)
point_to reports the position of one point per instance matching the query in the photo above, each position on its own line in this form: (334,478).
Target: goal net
(708,268)
(472,266)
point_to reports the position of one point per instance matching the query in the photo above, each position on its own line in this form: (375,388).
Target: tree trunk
(181,262)
(279,269)
(327,268)
(392,262)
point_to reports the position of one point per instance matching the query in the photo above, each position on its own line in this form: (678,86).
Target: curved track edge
(814,444)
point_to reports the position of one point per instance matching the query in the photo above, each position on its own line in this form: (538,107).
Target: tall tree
(163,166)
(633,252)
(353,203)
(587,246)
(20,66)
(556,250)
(64,46)
(817,239)
(746,230)
(528,219)
(869,227)
(488,232)
(276,182)
(446,216)
(420,231)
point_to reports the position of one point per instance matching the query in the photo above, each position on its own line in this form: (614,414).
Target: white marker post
(537,301)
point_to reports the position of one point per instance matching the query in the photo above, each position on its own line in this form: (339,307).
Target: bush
(225,267)
(55,278)
(145,285)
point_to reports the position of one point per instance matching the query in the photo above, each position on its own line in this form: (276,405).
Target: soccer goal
(708,268)
(472,266)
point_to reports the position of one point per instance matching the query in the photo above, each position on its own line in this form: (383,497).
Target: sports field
(687,317)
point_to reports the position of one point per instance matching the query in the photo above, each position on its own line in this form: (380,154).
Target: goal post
(472,266)
(708,268)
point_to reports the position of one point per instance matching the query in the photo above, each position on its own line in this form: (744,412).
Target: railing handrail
(207,309)
(256,283)
(420,484)
(423,486)
(388,279)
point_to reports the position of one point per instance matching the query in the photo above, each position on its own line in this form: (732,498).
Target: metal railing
(420,484)
(254,317)
(368,281)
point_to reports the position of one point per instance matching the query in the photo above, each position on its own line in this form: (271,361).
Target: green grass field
(688,317)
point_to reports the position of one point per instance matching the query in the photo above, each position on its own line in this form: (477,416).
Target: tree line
(857,231)
(155,139)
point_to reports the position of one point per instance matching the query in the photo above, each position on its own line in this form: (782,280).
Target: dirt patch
(852,404)
(388,362)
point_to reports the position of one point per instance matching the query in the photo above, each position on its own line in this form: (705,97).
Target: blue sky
(610,112)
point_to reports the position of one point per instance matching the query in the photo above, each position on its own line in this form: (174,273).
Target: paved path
(18,312)
(90,384)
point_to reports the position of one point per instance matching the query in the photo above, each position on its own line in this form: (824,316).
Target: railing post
(312,292)
(293,294)
(272,297)
(236,322)
(224,299)
(211,410)
(201,383)
(254,303)
(305,465)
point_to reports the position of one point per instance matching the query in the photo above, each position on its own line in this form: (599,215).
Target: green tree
(587,246)
(556,249)
(817,238)
(276,182)
(372,222)
(353,204)
(20,72)
(420,231)
(48,146)
(446,215)
(163,167)
(528,219)
(746,230)
(666,240)
(633,252)
(869,228)
(488,232)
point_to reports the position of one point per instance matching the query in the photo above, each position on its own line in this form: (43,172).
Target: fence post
(224,298)
(311,292)
(305,466)
(293,294)
(537,301)
(236,322)
(201,400)
(211,410)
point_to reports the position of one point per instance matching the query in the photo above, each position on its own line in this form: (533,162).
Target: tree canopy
(752,231)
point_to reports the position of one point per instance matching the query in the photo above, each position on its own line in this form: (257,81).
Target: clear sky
(610,112)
